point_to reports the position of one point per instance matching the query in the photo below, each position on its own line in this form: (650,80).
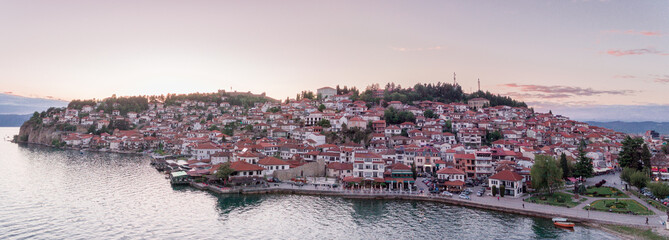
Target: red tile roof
(507,175)
(244,166)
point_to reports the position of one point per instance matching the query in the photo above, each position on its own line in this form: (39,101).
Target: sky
(585,58)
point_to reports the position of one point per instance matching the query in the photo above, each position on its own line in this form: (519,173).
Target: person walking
(497,198)
(646,220)
(523,205)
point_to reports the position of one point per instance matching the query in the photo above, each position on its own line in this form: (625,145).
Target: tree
(430,114)
(565,166)
(626,174)
(91,129)
(633,154)
(324,123)
(321,108)
(639,180)
(490,137)
(583,167)
(546,174)
(659,189)
(224,171)
(502,190)
(393,116)
(494,190)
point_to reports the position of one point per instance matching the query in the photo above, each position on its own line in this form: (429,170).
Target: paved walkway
(516,204)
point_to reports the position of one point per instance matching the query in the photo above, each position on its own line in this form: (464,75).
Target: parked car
(464,197)
(447,193)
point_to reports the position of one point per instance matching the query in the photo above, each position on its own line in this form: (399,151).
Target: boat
(562,222)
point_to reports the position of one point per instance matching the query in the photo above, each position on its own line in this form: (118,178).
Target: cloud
(635,32)
(662,78)
(638,51)
(403,49)
(624,76)
(539,91)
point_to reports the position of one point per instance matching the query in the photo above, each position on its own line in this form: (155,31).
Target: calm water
(50,194)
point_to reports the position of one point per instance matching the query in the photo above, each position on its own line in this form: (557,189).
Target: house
(393,130)
(379,126)
(339,170)
(368,165)
(451,179)
(244,169)
(271,163)
(451,174)
(513,182)
(205,150)
(357,122)
(399,176)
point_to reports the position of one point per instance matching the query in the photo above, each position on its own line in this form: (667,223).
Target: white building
(513,182)
(326,92)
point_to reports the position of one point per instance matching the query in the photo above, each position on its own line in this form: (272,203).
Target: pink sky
(570,53)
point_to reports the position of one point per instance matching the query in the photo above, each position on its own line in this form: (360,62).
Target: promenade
(506,204)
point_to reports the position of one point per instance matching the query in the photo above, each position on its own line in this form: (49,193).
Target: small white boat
(558,219)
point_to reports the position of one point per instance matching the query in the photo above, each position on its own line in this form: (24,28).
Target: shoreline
(78,149)
(410,197)
(589,222)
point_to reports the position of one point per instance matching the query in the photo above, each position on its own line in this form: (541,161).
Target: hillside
(634,127)
(439,92)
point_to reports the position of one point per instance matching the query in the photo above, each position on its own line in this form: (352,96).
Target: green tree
(321,108)
(502,190)
(546,174)
(626,174)
(494,190)
(324,123)
(639,179)
(659,190)
(393,116)
(633,154)
(224,171)
(490,137)
(91,129)
(583,167)
(564,164)
(430,114)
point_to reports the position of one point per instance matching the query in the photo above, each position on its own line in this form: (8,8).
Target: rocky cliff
(39,134)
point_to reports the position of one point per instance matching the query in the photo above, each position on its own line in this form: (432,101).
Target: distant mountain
(13,120)
(634,127)
(11,104)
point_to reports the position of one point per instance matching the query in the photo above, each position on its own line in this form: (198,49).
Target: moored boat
(562,222)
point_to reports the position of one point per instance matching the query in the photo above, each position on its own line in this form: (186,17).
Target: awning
(179,174)
(400,180)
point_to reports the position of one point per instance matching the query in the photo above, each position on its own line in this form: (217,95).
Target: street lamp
(588,206)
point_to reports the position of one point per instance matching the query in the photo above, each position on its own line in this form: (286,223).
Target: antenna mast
(454,82)
(479,84)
